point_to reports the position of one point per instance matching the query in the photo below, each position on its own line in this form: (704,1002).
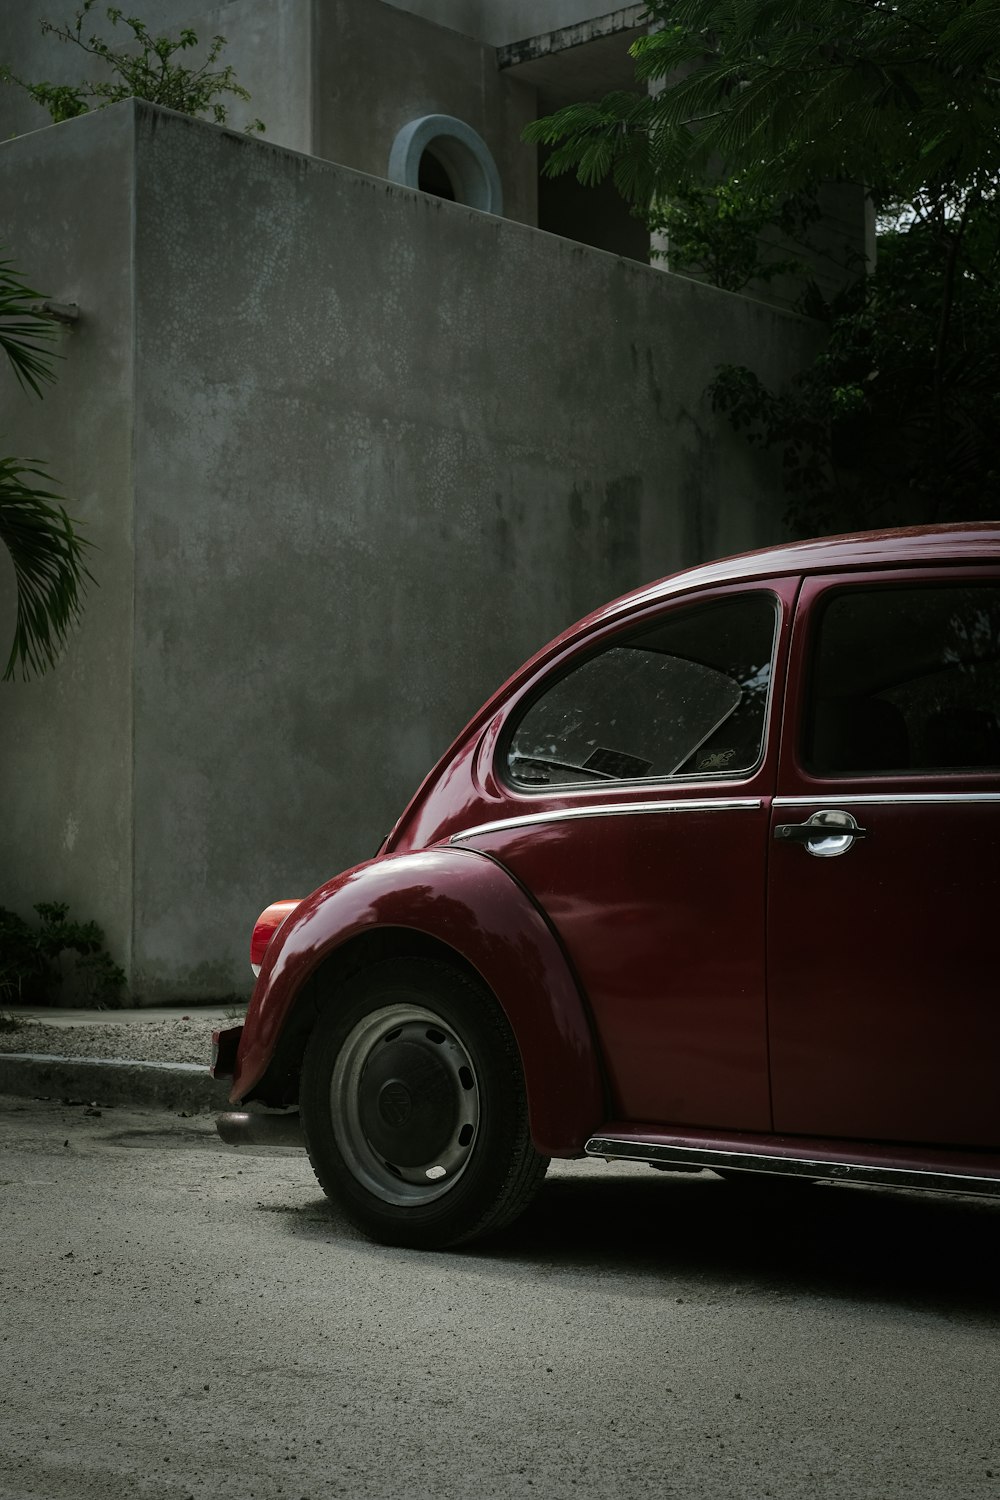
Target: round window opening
(442,155)
(432,177)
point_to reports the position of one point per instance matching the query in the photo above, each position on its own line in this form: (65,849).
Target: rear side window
(906,679)
(685,698)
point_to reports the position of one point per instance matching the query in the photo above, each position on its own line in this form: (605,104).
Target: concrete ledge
(113,1080)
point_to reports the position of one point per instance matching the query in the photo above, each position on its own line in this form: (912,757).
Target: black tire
(413,1107)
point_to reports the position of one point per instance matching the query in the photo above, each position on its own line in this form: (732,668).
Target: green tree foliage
(45,549)
(144,67)
(31,959)
(716,233)
(898,419)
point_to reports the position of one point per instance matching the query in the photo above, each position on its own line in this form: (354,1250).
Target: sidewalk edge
(112,1080)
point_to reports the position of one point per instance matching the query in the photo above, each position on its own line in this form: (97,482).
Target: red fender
(470,903)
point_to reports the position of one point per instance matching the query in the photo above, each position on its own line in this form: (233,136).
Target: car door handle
(825,834)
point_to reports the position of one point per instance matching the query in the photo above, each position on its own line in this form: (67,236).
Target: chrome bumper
(243,1128)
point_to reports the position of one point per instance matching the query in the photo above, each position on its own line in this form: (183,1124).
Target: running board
(670,1155)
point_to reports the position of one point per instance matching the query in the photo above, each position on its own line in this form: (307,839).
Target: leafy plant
(716,233)
(896,421)
(787,95)
(31,959)
(44,546)
(145,67)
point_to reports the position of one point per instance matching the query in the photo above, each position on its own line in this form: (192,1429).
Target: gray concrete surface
(350,453)
(336,81)
(339,81)
(153,1058)
(376,69)
(144,1021)
(268,45)
(182,1321)
(113,1081)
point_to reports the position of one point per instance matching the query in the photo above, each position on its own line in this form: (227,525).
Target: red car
(710,882)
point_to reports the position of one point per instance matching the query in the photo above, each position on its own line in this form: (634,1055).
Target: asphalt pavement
(180,1320)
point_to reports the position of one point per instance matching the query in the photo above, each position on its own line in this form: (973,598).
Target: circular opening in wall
(432,177)
(442,155)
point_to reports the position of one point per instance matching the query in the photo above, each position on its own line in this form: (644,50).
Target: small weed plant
(34,960)
(145,66)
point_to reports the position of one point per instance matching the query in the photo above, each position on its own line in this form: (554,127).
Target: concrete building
(349,451)
(430,93)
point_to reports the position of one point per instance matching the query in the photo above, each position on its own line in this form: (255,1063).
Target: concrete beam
(584,61)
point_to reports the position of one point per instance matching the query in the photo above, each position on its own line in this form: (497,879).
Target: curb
(113,1080)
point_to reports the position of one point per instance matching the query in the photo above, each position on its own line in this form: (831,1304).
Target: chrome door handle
(825,834)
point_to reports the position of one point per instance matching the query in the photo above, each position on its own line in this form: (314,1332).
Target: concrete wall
(459,15)
(268,46)
(378,68)
(333,78)
(384,446)
(66,739)
(503,21)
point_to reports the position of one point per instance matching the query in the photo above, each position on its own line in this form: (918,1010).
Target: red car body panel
(469,903)
(884,996)
(673,969)
(660,957)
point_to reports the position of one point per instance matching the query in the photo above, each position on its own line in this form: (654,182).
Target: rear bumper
(239,1127)
(225,1045)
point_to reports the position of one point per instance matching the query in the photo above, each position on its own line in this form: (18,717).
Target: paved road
(181,1320)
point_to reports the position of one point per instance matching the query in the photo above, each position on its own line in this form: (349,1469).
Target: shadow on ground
(703,1238)
(931,1252)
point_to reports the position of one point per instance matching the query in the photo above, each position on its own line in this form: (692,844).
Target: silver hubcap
(404,1099)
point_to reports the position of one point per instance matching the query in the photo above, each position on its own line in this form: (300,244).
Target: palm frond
(24,334)
(48,557)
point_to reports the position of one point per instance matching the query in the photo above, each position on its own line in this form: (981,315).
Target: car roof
(916,545)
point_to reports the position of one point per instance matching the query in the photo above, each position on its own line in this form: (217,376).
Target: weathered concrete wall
(66,739)
(459,15)
(269,46)
(333,78)
(503,21)
(378,68)
(384,446)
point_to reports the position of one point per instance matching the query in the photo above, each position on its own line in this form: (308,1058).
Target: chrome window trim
(610,810)
(838,794)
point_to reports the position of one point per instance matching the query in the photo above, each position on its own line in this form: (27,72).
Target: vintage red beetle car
(711,881)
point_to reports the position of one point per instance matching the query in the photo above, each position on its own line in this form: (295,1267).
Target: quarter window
(685,698)
(906,679)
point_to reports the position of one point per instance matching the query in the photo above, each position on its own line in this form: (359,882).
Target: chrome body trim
(610,810)
(888,799)
(791,1166)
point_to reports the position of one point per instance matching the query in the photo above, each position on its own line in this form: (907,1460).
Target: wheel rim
(404,1100)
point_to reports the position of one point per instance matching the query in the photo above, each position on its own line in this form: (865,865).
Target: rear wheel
(413,1107)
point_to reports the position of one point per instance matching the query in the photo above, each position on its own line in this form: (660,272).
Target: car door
(884,875)
(636,778)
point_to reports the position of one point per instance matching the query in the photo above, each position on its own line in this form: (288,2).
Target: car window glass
(906,679)
(686,697)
